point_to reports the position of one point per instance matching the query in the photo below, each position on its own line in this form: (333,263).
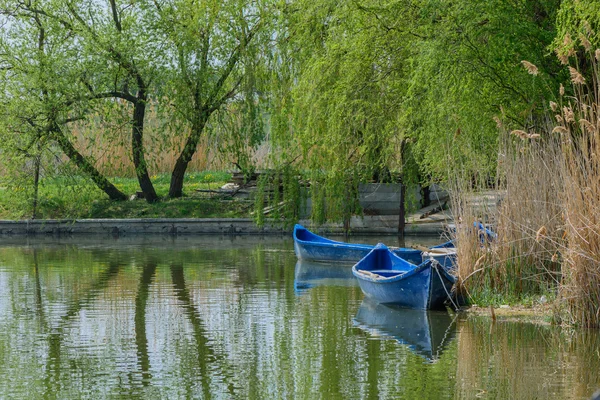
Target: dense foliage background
(337,92)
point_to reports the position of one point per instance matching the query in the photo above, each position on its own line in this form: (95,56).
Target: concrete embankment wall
(384,198)
(376,224)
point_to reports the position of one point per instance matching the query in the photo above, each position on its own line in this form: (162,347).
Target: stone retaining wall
(235,226)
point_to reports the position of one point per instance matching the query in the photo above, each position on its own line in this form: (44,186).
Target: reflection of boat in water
(425,332)
(310,274)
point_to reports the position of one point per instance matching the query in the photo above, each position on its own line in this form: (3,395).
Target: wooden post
(401,211)
(426,191)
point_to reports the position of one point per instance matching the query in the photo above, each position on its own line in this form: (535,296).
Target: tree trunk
(137,148)
(83,164)
(36,182)
(191,144)
(402,208)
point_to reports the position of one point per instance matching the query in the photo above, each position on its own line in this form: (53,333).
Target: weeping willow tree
(467,75)
(339,83)
(365,88)
(42,92)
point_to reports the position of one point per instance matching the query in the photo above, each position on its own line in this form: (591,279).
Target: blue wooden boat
(445,256)
(425,332)
(312,247)
(388,279)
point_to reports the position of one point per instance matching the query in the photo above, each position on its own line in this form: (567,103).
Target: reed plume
(576,77)
(531,68)
(585,42)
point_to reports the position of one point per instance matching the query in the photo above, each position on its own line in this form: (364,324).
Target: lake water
(222,317)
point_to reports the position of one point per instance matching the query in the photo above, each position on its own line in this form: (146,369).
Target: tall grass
(105,137)
(521,203)
(548,220)
(578,125)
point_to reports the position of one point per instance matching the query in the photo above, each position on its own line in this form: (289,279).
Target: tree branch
(225,97)
(115,15)
(230,65)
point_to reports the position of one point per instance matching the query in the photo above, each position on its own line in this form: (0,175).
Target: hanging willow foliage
(279,194)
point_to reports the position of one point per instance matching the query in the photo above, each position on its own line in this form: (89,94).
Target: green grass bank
(75,197)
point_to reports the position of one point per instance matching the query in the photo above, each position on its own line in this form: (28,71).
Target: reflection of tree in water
(269,268)
(56,335)
(38,293)
(57,367)
(141,340)
(205,352)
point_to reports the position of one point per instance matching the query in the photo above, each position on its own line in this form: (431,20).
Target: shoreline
(368,225)
(538,314)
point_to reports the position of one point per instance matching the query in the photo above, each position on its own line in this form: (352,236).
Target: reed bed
(523,211)
(548,220)
(526,212)
(108,143)
(578,126)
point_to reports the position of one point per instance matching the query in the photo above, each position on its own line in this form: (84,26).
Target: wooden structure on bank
(376,199)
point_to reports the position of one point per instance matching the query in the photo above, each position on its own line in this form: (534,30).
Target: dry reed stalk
(520,260)
(580,174)
(581,265)
(468,207)
(529,218)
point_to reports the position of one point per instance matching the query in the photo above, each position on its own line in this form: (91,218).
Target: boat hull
(411,292)
(330,252)
(311,247)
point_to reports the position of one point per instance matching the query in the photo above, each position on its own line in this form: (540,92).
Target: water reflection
(425,332)
(57,332)
(310,274)
(526,361)
(141,299)
(170,319)
(205,353)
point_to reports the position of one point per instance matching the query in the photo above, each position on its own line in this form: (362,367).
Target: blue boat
(426,333)
(388,279)
(312,247)
(445,256)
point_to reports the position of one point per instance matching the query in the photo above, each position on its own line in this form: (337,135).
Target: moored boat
(389,279)
(312,247)
(445,256)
